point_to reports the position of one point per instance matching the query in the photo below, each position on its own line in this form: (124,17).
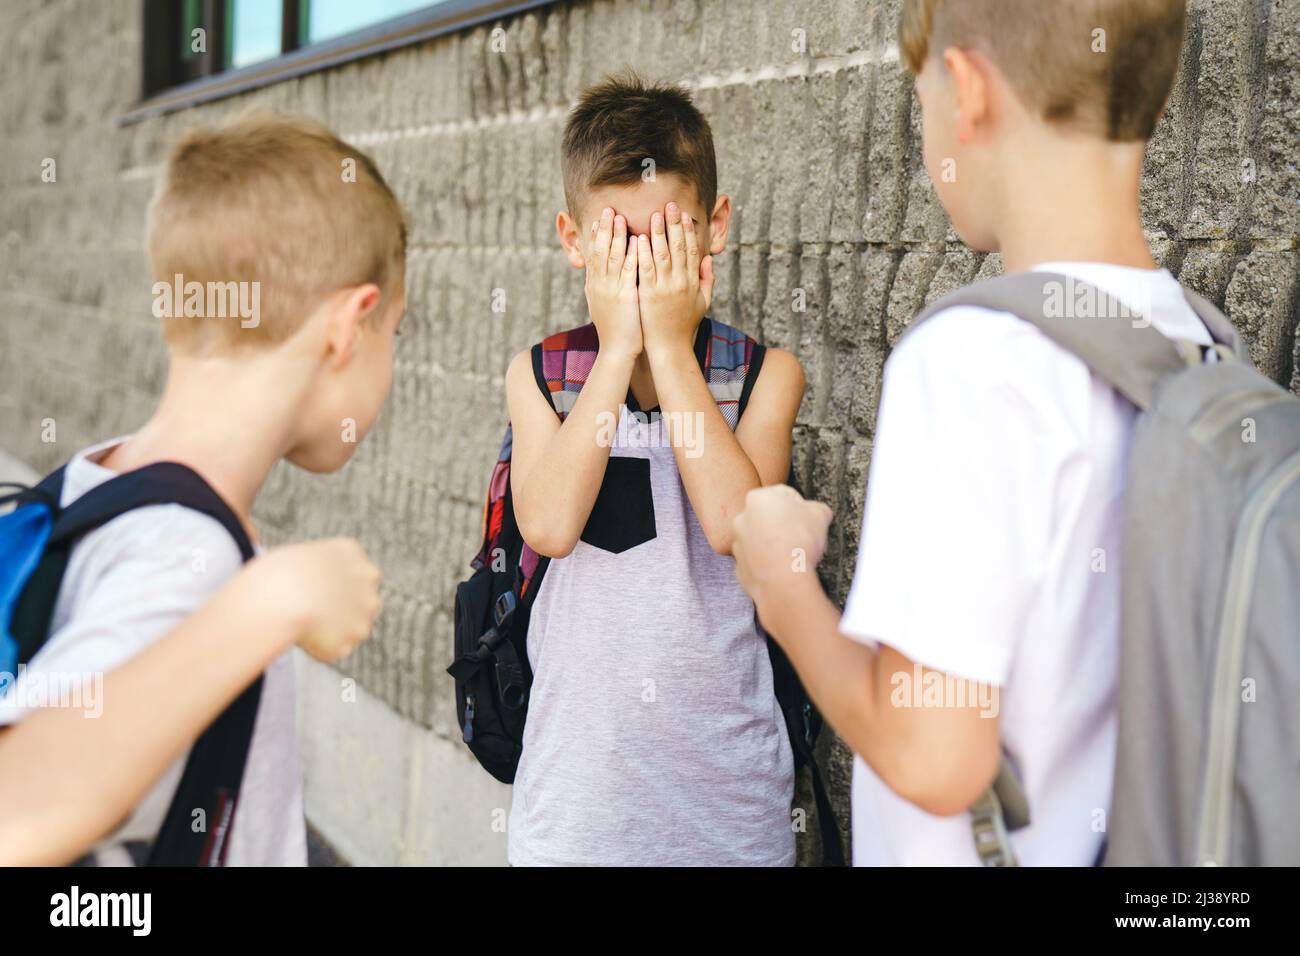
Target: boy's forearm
(715,469)
(929,756)
(556,497)
(49,814)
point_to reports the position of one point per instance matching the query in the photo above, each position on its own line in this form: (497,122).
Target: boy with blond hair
(304,227)
(998,462)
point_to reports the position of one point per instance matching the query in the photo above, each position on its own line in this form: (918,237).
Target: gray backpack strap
(1000,810)
(1227,340)
(1114,341)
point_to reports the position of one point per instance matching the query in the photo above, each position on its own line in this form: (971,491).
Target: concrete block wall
(819,149)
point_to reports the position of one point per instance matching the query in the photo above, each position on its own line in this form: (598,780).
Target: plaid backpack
(492,608)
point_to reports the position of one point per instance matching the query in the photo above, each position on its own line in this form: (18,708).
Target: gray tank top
(654,737)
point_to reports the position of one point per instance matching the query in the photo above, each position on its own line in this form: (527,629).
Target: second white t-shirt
(991,551)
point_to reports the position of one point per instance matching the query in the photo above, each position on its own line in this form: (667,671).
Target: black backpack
(39,536)
(491,668)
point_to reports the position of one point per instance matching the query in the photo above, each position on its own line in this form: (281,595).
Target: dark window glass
(190,43)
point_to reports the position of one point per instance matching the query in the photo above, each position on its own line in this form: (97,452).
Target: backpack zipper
(467,732)
(1214,830)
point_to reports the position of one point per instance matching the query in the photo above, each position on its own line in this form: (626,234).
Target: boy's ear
(719,224)
(972,89)
(566,227)
(348,309)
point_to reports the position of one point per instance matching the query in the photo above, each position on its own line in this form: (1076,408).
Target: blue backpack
(36,541)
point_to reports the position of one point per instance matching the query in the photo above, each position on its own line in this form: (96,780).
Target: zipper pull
(468,730)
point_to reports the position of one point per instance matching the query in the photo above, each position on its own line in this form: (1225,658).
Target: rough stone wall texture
(821,152)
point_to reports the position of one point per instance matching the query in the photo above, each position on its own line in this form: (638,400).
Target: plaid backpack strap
(561,364)
(731,361)
(494,504)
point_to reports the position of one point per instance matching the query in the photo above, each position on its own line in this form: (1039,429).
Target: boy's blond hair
(1101,66)
(279,201)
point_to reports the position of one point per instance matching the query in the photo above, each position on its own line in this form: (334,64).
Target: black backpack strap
(215,768)
(751,375)
(164,483)
(30,622)
(832,845)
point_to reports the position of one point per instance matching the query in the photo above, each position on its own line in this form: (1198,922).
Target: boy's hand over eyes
(611,284)
(676,286)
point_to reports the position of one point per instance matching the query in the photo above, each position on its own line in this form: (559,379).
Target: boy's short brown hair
(620,123)
(1113,83)
(280,201)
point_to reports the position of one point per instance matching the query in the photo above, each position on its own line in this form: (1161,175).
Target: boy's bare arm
(940,758)
(718,467)
(67,779)
(556,469)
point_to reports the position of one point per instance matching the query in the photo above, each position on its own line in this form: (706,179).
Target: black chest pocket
(624,514)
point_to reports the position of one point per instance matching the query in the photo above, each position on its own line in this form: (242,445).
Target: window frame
(163,62)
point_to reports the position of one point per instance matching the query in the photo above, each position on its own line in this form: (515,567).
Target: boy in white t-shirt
(279,283)
(977,622)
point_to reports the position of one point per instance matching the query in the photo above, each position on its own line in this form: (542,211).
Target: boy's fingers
(692,245)
(629,261)
(659,243)
(644,260)
(604,232)
(706,281)
(676,238)
(618,247)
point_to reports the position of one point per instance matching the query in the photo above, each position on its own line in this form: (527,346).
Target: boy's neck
(230,419)
(1072,200)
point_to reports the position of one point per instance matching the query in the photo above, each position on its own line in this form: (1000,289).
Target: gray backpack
(1208,762)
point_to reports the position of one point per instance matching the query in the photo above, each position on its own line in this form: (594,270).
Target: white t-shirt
(990,551)
(127,584)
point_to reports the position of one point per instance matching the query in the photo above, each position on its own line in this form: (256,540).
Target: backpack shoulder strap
(1112,340)
(731,361)
(561,364)
(215,768)
(1219,325)
(164,483)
